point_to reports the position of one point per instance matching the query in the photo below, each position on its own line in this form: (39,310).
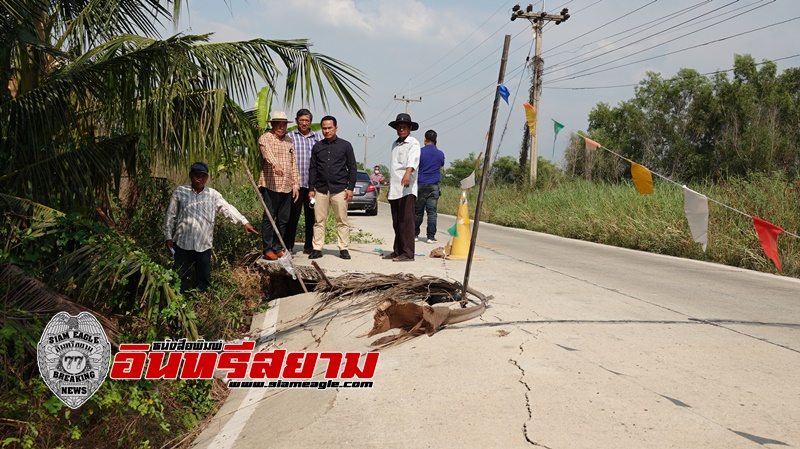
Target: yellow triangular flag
(530,115)
(591,144)
(642,178)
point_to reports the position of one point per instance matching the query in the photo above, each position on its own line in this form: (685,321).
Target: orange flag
(530,115)
(768,235)
(591,144)
(642,178)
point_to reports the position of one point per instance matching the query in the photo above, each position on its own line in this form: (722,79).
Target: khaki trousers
(339,205)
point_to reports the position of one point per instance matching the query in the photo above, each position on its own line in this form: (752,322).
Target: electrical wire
(673,52)
(670,80)
(559,67)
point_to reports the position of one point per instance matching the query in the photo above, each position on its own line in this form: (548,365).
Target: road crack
(528,390)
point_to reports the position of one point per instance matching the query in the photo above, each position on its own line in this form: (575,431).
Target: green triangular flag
(557,127)
(453,230)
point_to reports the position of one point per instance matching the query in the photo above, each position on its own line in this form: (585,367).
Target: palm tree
(95,93)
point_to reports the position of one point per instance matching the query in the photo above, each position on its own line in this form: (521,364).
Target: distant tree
(694,127)
(504,170)
(458,170)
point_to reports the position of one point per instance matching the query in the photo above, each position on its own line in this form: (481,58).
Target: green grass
(615,214)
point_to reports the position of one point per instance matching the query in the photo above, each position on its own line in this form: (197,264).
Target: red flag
(768,235)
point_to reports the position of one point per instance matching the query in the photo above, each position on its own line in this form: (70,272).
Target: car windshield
(362,176)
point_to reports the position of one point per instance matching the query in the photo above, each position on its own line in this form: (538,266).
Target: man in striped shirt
(304,140)
(189,226)
(279,183)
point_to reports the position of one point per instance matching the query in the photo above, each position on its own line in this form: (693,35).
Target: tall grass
(615,214)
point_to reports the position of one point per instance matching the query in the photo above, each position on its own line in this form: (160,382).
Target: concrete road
(584,346)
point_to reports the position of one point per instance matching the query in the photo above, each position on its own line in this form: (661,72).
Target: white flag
(696,207)
(468,182)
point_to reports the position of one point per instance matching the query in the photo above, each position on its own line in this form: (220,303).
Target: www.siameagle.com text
(312,384)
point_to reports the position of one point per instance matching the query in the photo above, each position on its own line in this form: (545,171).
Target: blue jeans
(427,199)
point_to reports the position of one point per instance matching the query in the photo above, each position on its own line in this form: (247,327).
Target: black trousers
(279,205)
(303,204)
(185,259)
(403,224)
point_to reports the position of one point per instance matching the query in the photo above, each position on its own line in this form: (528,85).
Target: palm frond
(102,267)
(29,295)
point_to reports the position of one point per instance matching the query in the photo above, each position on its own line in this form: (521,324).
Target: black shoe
(315,254)
(344,254)
(307,250)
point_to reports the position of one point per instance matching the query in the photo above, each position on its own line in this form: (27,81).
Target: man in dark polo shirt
(431,162)
(331,180)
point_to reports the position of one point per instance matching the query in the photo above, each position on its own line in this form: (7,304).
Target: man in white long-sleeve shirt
(189,226)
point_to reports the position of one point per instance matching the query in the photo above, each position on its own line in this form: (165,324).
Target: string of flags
(695,204)
(696,207)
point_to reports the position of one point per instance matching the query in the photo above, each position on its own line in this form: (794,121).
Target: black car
(365,195)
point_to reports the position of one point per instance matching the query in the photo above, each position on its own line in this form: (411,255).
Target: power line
(464,40)
(663,19)
(673,52)
(553,69)
(672,79)
(601,26)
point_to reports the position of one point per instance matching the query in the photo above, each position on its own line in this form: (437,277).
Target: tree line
(693,127)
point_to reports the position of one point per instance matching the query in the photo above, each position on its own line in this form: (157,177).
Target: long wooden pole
(484,174)
(274,226)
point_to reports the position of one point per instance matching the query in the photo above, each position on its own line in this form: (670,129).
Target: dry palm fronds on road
(400,286)
(401,301)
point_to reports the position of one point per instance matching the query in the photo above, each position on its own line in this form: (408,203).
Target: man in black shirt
(331,180)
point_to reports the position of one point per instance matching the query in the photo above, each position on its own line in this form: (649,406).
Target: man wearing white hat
(279,182)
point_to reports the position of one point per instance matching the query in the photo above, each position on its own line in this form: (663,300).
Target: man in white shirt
(403,187)
(189,226)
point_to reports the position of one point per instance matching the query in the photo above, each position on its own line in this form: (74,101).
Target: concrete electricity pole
(537,20)
(366,138)
(407,100)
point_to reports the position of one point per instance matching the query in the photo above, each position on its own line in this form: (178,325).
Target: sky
(448,53)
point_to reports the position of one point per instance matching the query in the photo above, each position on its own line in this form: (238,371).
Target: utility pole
(366,138)
(537,20)
(407,100)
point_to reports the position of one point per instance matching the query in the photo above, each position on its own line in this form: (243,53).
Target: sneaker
(433,240)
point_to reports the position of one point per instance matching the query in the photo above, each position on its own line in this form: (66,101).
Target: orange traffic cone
(459,249)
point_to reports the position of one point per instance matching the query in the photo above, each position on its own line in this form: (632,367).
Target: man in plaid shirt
(279,183)
(304,140)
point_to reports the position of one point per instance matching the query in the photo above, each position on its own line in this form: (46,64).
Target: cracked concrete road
(584,346)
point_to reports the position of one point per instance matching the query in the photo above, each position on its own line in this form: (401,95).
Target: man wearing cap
(279,183)
(403,187)
(189,226)
(431,162)
(303,139)
(332,179)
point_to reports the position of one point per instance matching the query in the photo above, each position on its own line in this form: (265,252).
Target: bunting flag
(642,178)
(557,127)
(591,144)
(768,235)
(453,230)
(696,207)
(530,116)
(504,93)
(468,182)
